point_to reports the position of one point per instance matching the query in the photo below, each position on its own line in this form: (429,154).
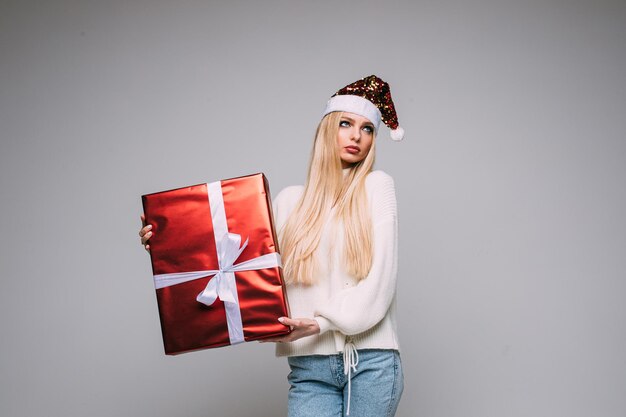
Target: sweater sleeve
(359,308)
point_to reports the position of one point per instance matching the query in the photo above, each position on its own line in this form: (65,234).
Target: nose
(356,133)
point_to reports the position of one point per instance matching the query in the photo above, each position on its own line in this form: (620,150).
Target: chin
(351,159)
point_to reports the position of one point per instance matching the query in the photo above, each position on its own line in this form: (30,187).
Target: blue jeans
(319,387)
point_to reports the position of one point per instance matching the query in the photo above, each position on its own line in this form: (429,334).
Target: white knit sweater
(365,311)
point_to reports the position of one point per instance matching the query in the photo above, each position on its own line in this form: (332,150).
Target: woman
(338,240)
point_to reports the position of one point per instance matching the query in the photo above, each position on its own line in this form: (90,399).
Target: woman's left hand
(299,328)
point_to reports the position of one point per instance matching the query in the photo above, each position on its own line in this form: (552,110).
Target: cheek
(342,138)
(366,145)
(340,135)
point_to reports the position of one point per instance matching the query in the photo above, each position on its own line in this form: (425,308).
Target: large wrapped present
(216,264)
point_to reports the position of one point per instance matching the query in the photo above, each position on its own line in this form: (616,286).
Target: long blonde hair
(326,186)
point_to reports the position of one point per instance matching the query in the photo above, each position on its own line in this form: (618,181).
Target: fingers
(299,328)
(145,233)
(145,229)
(287,321)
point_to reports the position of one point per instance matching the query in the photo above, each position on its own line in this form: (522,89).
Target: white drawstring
(350,361)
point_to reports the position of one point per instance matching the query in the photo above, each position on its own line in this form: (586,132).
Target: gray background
(510,185)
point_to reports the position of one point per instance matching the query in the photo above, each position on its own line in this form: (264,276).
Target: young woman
(338,240)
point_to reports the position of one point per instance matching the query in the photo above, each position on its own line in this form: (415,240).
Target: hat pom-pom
(397,134)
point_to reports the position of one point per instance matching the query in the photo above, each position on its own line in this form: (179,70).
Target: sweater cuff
(324,323)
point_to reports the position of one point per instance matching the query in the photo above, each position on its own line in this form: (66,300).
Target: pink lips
(352,149)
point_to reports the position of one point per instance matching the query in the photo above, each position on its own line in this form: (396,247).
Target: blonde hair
(325,187)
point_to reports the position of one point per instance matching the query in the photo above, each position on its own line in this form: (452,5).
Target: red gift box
(216,264)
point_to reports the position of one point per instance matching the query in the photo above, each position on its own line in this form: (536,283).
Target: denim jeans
(319,387)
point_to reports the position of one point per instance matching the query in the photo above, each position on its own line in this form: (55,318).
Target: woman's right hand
(145,233)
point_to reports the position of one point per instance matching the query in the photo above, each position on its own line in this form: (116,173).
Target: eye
(368,129)
(344,123)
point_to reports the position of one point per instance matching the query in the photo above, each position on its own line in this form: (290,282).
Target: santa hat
(368,97)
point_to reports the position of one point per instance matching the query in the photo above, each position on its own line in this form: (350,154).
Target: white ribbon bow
(223,285)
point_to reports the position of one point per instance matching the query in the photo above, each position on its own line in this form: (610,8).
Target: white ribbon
(223,285)
(350,361)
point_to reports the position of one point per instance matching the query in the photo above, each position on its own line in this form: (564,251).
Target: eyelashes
(346,123)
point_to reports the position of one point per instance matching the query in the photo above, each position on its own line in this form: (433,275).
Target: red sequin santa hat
(368,97)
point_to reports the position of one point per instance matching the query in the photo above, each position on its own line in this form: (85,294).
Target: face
(354,138)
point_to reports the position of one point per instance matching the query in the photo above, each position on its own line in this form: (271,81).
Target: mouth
(352,149)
